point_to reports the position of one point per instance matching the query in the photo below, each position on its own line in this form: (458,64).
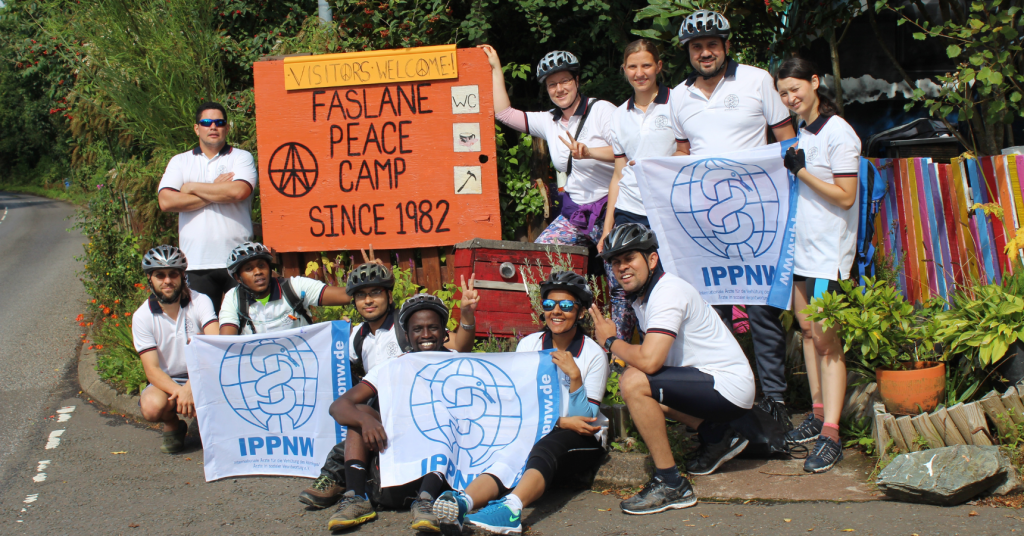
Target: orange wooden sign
(396,165)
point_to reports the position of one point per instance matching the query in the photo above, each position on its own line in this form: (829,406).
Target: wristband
(470,327)
(608,343)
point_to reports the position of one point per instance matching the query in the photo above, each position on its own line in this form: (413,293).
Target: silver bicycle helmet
(369,275)
(570,282)
(164,256)
(420,302)
(555,61)
(246,252)
(628,237)
(703,23)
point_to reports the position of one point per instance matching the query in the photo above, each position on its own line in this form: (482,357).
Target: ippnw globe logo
(729,209)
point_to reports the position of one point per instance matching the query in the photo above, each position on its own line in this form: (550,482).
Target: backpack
(765,429)
(871,190)
(294,301)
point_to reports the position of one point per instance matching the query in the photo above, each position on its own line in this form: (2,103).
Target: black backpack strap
(242,302)
(296,303)
(579,128)
(358,369)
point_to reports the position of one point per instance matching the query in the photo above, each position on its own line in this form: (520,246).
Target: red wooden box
(499,266)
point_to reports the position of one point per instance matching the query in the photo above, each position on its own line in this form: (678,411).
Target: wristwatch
(608,343)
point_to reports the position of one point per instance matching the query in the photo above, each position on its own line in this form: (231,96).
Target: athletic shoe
(778,410)
(423,518)
(497,518)
(352,510)
(808,431)
(825,454)
(451,509)
(174,442)
(323,493)
(710,456)
(657,496)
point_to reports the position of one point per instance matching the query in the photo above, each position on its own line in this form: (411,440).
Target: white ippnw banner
(262,400)
(465,414)
(725,222)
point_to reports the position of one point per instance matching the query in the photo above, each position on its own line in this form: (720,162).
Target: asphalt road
(68,467)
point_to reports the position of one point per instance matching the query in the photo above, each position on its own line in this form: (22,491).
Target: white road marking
(40,477)
(42,465)
(31,498)
(64,414)
(4,217)
(54,440)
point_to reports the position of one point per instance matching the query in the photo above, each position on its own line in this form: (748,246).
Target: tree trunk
(833,47)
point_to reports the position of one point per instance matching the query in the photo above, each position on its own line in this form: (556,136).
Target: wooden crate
(504,308)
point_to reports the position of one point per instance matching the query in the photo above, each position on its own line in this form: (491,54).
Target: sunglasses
(565,305)
(211,122)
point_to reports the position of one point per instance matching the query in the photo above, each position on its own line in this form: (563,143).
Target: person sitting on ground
(575,445)
(688,367)
(162,326)
(262,303)
(373,343)
(423,317)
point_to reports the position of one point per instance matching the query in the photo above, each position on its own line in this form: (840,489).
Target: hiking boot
(826,453)
(451,509)
(423,518)
(808,431)
(710,456)
(657,496)
(323,493)
(174,442)
(497,518)
(352,510)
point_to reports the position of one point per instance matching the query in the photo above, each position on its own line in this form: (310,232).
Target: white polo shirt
(276,315)
(152,329)
(734,117)
(590,177)
(640,134)
(208,235)
(673,307)
(379,346)
(826,235)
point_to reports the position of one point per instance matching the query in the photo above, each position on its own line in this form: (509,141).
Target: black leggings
(692,392)
(560,452)
(213,282)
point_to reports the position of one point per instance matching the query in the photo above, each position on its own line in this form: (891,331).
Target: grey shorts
(180,380)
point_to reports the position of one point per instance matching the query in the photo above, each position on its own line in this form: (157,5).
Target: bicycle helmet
(369,275)
(164,256)
(420,302)
(703,23)
(555,61)
(628,237)
(570,282)
(245,252)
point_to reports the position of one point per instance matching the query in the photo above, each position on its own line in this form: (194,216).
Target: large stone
(1010,481)
(944,476)
(623,470)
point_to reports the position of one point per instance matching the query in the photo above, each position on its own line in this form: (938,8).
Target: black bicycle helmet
(164,256)
(555,61)
(420,302)
(570,282)
(245,252)
(703,23)
(628,237)
(369,275)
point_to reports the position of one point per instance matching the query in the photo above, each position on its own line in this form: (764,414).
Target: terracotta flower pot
(914,391)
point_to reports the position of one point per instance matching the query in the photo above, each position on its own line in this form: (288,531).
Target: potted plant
(986,324)
(888,340)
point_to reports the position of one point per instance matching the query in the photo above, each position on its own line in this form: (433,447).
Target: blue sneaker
(451,509)
(497,518)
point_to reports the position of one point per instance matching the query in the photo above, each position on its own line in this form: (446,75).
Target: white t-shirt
(590,178)
(152,329)
(734,117)
(673,307)
(208,235)
(276,315)
(826,235)
(639,134)
(379,346)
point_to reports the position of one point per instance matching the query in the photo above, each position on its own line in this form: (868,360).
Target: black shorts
(818,286)
(213,282)
(692,392)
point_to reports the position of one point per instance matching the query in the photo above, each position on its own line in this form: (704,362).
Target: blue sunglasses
(211,122)
(565,305)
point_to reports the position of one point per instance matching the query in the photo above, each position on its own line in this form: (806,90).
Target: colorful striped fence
(926,224)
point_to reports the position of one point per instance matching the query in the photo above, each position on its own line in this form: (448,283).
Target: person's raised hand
(603,327)
(492,56)
(224,177)
(563,360)
(370,258)
(470,296)
(579,150)
(579,424)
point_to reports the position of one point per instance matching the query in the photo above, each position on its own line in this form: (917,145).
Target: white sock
(469,502)
(513,502)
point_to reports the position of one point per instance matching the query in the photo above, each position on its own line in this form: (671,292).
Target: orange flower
(116,325)
(94,301)
(99,346)
(80,317)
(127,314)
(113,316)
(81,324)
(85,341)
(106,310)
(89,324)
(117,301)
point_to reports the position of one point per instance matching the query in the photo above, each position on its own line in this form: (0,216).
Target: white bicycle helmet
(164,256)
(703,23)
(555,61)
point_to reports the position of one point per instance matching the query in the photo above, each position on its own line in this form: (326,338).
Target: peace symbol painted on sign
(293,175)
